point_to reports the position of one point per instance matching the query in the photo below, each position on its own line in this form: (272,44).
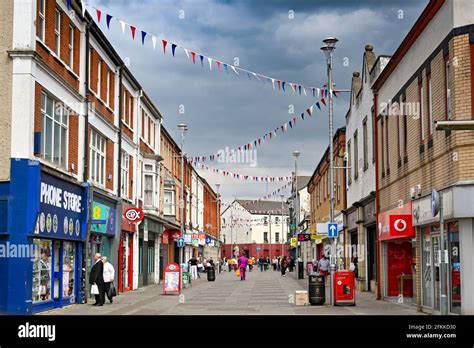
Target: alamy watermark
(237,156)
(26,251)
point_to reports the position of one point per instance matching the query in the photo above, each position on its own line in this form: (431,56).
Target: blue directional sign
(332,230)
(208,240)
(181,242)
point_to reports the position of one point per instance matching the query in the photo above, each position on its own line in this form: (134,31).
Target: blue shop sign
(103,218)
(62,210)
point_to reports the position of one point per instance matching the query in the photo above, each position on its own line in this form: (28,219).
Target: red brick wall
(77,52)
(145,148)
(112,91)
(37,107)
(52,62)
(73,142)
(109,164)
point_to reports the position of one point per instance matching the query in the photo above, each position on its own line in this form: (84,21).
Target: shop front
(58,241)
(149,238)
(429,232)
(125,253)
(102,228)
(398,244)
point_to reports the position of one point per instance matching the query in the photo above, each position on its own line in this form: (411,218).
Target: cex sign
(133,215)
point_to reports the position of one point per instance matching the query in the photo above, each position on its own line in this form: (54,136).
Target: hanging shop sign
(62,211)
(188,238)
(293,242)
(103,217)
(133,214)
(396,223)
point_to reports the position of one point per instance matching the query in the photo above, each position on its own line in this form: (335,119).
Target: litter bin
(344,288)
(316,289)
(211,274)
(300,270)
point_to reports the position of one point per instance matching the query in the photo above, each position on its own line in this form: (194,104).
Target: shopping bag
(94,289)
(112,290)
(237,272)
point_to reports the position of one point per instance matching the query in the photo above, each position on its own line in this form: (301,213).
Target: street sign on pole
(304,237)
(322,229)
(180,242)
(333,231)
(208,240)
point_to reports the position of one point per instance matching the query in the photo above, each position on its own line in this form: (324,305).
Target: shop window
(69,260)
(54,129)
(454,268)
(426,277)
(42,264)
(151,257)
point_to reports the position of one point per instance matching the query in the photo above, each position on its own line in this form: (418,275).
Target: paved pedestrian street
(263,293)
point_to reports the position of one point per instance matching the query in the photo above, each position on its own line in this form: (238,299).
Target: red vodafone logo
(133,215)
(401,226)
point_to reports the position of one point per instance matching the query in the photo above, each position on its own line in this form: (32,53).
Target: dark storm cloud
(227,110)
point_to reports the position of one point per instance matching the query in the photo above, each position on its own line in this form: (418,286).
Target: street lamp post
(296,154)
(183,128)
(328,49)
(218,235)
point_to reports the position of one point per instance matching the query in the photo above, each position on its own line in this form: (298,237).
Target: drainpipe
(119,179)
(377,203)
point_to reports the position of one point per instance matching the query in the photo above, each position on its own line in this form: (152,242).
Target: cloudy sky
(277,38)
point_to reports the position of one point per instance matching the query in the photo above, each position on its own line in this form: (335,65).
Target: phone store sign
(62,209)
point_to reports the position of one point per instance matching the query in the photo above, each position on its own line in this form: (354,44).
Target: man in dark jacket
(97,277)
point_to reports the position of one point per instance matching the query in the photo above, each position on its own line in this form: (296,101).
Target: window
(42,270)
(71,46)
(405,131)
(41,19)
(386,145)
(97,158)
(99,73)
(148,187)
(54,131)
(382,143)
(356,156)
(277,220)
(448,90)
(430,106)
(366,144)
(277,237)
(148,129)
(169,202)
(108,88)
(69,268)
(422,112)
(265,237)
(57,31)
(399,135)
(125,173)
(349,160)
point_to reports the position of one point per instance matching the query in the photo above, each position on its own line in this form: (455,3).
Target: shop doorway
(371,261)
(399,269)
(125,261)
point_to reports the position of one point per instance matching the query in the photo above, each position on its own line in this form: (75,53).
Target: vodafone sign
(396,223)
(133,214)
(401,226)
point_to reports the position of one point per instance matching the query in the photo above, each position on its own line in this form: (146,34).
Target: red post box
(344,288)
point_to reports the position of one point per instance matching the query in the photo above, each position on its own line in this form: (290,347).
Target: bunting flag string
(233,153)
(242,176)
(277,84)
(270,195)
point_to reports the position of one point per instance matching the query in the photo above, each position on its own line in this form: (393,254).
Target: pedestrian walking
(323,266)
(261,263)
(267,263)
(243,262)
(194,268)
(283,265)
(278,263)
(96,277)
(274,263)
(251,263)
(109,275)
(229,264)
(291,264)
